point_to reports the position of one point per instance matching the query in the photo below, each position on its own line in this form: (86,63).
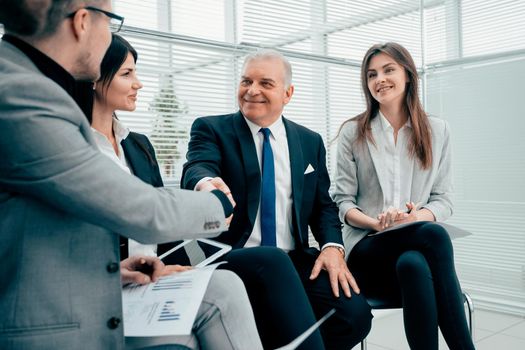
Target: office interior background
(471,59)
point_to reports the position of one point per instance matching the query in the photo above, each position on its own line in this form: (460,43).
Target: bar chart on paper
(166,307)
(169,312)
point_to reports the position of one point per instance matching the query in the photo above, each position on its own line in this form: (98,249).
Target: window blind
(469,53)
(201,59)
(489,168)
(475,58)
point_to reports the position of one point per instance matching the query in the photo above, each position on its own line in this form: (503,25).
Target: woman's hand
(416,214)
(413,209)
(412,214)
(391,217)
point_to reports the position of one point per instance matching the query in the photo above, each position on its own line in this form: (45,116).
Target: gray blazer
(61,205)
(360,175)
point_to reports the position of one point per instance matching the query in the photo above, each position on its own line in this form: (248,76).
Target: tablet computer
(195,252)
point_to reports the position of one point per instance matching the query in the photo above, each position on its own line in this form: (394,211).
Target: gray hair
(272,54)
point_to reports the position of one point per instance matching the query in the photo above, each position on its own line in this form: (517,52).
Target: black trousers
(353,318)
(415,266)
(286,302)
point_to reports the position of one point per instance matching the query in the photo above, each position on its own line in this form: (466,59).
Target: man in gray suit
(62,202)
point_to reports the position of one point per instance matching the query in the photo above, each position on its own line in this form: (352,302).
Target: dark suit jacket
(141,158)
(140,155)
(223,146)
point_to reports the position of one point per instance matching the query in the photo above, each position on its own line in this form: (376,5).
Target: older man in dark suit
(275,170)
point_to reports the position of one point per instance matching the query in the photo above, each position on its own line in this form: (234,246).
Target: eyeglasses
(115,21)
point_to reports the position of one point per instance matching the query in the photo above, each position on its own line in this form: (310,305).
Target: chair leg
(363,344)
(470,307)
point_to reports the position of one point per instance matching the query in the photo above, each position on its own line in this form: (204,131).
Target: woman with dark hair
(225,301)
(117,89)
(393,168)
(225,298)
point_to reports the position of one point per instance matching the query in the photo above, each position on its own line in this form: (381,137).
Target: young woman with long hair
(393,169)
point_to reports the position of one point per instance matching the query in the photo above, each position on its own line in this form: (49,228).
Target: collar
(385,124)
(277,129)
(119,129)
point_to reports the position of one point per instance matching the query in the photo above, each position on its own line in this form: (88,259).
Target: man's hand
(170,269)
(334,263)
(141,269)
(216,183)
(145,269)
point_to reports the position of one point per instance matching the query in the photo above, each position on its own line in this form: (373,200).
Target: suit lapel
(375,153)
(251,165)
(136,159)
(297,171)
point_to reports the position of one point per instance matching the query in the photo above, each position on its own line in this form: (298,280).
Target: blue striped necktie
(268,229)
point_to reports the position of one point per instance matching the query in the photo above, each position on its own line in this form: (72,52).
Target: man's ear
(289,94)
(80,23)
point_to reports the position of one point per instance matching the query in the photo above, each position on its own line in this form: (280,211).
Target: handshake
(216,183)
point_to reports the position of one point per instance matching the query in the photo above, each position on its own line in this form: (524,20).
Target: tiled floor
(492,331)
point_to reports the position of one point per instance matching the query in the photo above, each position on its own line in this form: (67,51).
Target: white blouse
(121,132)
(398,163)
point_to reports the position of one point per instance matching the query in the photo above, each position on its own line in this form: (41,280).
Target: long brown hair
(421,141)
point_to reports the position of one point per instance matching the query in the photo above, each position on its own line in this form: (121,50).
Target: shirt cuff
(204,179)
(337,245)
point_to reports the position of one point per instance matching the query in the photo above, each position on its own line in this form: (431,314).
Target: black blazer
(141,158)
(223,146)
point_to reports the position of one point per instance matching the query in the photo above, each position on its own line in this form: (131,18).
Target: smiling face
(386,80)
(121,94)
(262,93)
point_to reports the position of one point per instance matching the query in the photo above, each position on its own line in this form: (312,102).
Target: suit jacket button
(113,322)
(112,267)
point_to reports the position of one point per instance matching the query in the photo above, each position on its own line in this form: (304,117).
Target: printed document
(453,231)
(166,307)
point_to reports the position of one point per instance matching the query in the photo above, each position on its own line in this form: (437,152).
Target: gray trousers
(224,320)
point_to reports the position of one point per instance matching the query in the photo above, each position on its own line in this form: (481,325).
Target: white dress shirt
(399,165)
(283,185)
(106,148)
